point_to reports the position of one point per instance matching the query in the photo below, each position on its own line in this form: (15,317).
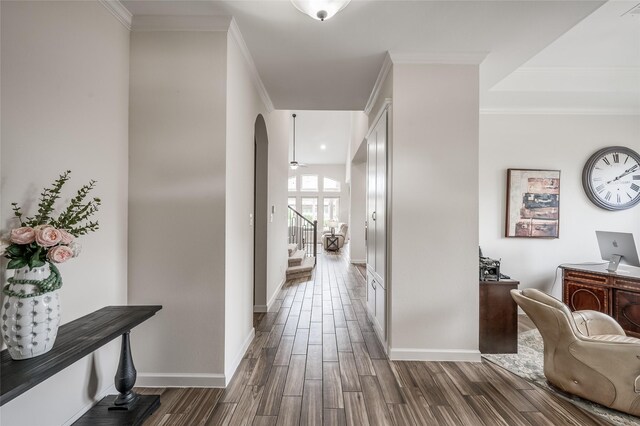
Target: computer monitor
(617,247)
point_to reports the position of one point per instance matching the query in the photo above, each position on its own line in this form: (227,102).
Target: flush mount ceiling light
(323,147)
(320,9)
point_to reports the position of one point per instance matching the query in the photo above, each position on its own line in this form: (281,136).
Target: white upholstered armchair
(586,353)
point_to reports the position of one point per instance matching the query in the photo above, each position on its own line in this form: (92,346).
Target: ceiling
(541,55)
(316,128)
(311,65)
(594,67)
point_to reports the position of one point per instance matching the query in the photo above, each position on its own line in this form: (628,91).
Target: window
(331,210)
(309,183)
(330,185)
(310,208)
(293,184)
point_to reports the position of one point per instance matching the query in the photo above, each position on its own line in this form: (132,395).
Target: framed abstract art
(533,203)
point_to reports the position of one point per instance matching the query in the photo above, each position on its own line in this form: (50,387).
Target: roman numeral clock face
(611,178)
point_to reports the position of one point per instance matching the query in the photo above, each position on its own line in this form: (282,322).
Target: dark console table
(498,317)
(75,340)
(613,293)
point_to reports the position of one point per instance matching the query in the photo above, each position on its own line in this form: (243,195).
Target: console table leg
(125,377)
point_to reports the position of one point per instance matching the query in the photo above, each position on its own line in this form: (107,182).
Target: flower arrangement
(43,238)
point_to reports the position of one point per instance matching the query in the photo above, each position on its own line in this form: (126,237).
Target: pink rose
(60,254)
(67,238)
(23,235)
(48,236)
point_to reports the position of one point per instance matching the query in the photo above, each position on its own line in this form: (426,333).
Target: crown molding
(382,75)
(559,111)
(234,32)
(118,10)
(384,107)
(451,58)
(211,23)
(572,70)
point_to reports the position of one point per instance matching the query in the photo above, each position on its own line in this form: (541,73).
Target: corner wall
(243,106)
(358,213)
(356,172)
(434,213)
(177,204)
(562,142)
(65,85)
(278,128)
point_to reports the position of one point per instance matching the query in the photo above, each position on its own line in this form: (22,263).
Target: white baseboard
(110,390)
(379,333)
(358,261)
(275,295)
(265,308)
(181,380)
(194,380)
(411,354)
(228,372)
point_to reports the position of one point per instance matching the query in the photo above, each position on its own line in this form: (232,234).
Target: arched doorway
(260,213)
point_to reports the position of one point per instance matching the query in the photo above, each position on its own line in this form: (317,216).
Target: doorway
(261,214)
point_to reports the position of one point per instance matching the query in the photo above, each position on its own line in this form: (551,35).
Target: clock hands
(626,172)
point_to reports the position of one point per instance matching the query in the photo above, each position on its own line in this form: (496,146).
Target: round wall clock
(611,178)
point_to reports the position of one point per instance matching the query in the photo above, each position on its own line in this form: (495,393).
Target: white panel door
(371,295)
(381,198)
(381,310)
(371,202)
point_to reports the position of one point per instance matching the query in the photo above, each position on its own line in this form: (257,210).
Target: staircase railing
(303,232)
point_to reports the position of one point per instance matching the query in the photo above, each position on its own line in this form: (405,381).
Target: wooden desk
(616,294)
(498,317)
(75,340)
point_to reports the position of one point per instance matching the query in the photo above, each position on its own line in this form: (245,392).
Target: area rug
(528,364)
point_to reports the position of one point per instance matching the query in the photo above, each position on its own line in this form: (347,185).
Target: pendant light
(294,164)
(320,9)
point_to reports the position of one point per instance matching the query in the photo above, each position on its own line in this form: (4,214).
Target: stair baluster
(303,232)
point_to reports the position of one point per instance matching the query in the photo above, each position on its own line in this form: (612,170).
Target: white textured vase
(30,324)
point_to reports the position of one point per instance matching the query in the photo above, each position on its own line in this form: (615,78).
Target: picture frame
(533,203)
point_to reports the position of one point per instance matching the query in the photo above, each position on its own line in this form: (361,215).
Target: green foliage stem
(74,219)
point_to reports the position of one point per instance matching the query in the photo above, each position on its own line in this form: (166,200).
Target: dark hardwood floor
(316,360)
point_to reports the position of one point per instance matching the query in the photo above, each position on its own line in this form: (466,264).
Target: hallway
(316,360)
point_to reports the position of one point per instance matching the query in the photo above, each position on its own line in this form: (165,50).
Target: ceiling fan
(294,164)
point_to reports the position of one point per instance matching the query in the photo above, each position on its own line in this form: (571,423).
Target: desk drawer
(586,278)
(579,296)
(626,311)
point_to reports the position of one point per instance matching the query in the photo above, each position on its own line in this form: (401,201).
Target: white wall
(359,127)
(243,106)
(64,85)
(434,213)
(358,213)
(177,204)
(356,172)
(278,129)
(562,142)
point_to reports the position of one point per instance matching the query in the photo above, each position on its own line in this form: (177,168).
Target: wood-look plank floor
(316,360)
